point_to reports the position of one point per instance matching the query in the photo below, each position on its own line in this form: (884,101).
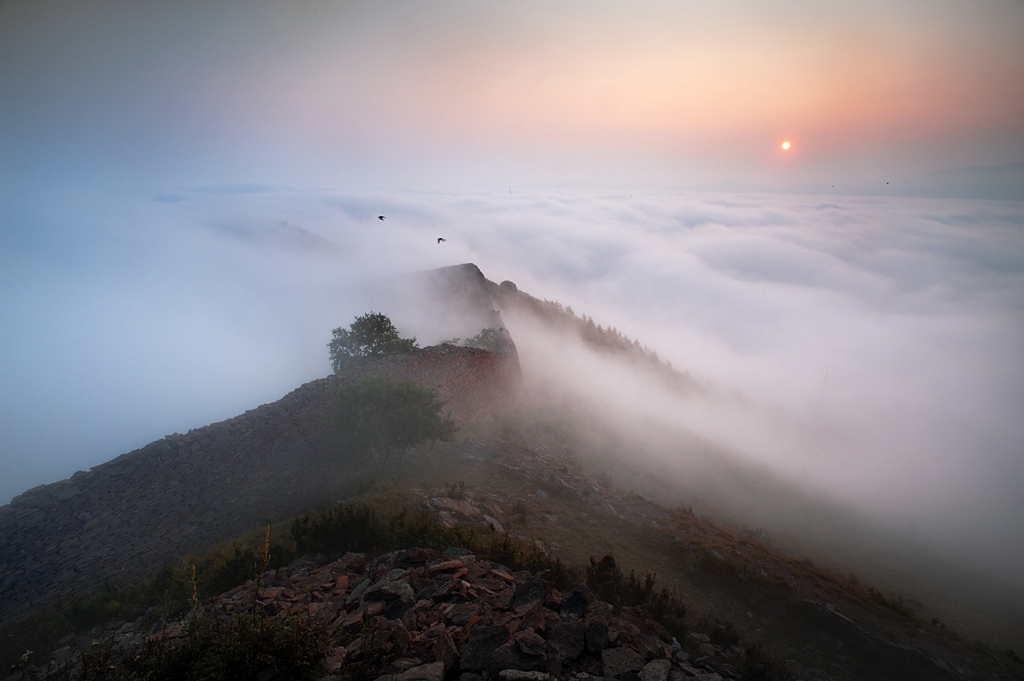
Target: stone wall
(132,516)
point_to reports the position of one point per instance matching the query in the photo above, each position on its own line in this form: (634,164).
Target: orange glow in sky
(865,85)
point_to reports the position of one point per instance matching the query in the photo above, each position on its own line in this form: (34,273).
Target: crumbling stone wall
(132,516)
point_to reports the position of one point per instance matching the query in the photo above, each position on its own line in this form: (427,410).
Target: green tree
(382,419)
(493,340)
(371,336)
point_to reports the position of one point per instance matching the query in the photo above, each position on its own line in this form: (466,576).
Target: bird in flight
(440,239)
(380,217)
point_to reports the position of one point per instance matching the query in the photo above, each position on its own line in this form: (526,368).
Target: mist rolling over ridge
(863,349)
(762,265)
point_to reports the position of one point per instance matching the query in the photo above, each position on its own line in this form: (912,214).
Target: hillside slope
(127,518)
(509,477)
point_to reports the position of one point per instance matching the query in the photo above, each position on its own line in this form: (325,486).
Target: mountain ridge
(181,494)
(128,517)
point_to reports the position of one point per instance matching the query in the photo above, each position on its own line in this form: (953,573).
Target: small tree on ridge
(371,336)
(382,418)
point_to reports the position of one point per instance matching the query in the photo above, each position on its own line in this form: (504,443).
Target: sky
(474,93)
(188,202)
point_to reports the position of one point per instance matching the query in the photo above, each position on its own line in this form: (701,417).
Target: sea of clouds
(875,342)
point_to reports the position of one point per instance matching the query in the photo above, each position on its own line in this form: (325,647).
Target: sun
(786,145)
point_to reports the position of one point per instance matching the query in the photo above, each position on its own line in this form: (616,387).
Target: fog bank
(863,348)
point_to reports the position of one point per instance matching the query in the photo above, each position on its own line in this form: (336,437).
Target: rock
(414,556)
(444,649)
(692,671)
(652,648)
(503,600)
(616,661)
(403,664)
(393,585)
(511,656)
(478,654)
(357,592)
(517,675)
(355,561)
(534,639)
(396,609)
(530,642)
(433,671)
(566,638)
(446,590)
(577,602)
(462,613)
(535,617)
(534,591)
(656,670)
(596,636)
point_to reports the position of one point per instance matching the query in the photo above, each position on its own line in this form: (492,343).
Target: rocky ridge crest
(450,615)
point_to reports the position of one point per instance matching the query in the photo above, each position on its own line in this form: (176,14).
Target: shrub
(371,336)
(610,584)
(382,418)
(166,593)
(359,528)
(494,340)
(249,646)
(760,665)
(721,632)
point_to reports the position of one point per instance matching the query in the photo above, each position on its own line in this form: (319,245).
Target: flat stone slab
(516,675)
(656,670)
(621,660)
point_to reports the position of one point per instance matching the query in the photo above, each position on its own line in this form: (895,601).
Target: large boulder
(478,654)
(617,661)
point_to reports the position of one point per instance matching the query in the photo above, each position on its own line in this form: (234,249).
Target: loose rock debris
(432,616)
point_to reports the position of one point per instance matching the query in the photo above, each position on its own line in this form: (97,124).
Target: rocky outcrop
(433,616)
(126,519)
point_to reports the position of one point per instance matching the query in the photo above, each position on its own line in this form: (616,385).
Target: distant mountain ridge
(1004,183)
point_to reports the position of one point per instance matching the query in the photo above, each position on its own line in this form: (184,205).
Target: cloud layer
(873,342)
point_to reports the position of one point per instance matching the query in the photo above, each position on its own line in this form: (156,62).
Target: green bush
(363,529)
(382,418)
(760,665)
(165,594)
(250,646)
(371,336)
(607,581)
(492,340)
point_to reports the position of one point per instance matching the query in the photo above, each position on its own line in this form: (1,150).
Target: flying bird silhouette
(440,239)
(380,217)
